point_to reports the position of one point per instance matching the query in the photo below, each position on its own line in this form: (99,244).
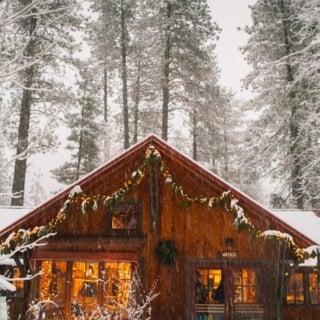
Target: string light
(226,202)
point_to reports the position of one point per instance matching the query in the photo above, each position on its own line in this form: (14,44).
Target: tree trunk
(79,160)
(126,143)
(136,106)
(225,146)
(194,137)
(296,180)
(166,74)
(105,114)
(20,166)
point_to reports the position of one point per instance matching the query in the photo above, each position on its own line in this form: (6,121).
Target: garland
(227,202)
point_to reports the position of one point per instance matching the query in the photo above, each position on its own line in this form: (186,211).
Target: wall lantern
(229,242)
(229,248)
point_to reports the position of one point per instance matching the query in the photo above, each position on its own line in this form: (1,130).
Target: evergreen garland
(166,250)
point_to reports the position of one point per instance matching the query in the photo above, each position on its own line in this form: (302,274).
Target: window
(124,219)
(314,288)
(218,288)
(116,281)
(12,272)
(75,288)
(207,283)
(15,272)
(295,291)
(53,286)
(245,286)
(303,287)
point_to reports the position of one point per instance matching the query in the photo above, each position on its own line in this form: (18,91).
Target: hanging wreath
(166,252)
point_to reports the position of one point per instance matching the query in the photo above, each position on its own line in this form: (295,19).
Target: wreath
(166,252)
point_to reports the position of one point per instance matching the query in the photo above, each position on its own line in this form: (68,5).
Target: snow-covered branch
(19,242)
(13,52)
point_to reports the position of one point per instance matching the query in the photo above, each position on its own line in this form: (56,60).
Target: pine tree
(280,46)
(111,41)
(186,28)
(84,125)
(41,39)
(163,56)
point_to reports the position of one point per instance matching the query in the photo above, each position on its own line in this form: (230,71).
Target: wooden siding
(297,312)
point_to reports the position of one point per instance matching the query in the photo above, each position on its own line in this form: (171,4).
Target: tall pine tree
(42,33)
(83,122)
(279,48)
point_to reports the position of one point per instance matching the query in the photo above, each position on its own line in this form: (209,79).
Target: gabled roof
(121,167)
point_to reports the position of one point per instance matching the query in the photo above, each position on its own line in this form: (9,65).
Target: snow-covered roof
(10,214)
(306,222)
(5,285)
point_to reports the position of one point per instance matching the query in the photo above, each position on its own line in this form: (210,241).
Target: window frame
(131,204)
(262,268)
(98,296)
(306,272)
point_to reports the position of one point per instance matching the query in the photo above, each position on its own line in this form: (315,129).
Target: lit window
(116,278)
(245,286)
(19,284)
(295,292)
(314,288)
(125,217)
(207,283)
(216,288)
(52,286)
(104,284)
(209,294)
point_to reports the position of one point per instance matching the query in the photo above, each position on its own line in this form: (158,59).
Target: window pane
(17,283)
(125,216)
(314,288)
(84,287)
(209,294)
(208,283)
(295,294)
(52,286)
(116,279)
(245,286)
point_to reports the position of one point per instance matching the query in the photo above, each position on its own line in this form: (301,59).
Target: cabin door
(229,291)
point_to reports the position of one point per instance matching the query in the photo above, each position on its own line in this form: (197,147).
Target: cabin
(203,248)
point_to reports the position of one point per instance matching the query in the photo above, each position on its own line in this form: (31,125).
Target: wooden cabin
(210,251)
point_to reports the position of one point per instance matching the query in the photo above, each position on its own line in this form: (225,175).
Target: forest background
(82,81)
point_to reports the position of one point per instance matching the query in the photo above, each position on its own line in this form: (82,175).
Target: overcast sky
(231,14)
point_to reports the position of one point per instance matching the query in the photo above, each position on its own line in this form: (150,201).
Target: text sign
(229,254)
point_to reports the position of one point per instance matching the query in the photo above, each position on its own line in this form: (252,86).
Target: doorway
(229,290)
